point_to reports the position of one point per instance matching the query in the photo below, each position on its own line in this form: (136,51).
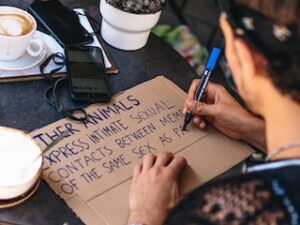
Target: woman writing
(262,46)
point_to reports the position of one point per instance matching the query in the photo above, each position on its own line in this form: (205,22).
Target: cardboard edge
(158,79)
(85,212)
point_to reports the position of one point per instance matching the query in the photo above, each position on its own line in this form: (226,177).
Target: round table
(22,106)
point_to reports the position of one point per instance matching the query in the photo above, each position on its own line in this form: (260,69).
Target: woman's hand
(220,109)
(154,189)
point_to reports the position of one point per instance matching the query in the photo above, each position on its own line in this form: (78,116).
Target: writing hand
(220,109)
(154,189)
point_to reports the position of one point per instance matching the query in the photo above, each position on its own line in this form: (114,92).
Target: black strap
(51,96)
(92,19)
(58,59)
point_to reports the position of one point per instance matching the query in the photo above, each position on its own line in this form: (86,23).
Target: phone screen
(61,21)
(87,75)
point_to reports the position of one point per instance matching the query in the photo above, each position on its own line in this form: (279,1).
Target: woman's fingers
(176,165)
(137,170)
(199,122)
(202,109)
(191,94)
(163,159)
(148,161)
(211,92)
(192,89)
(202,125)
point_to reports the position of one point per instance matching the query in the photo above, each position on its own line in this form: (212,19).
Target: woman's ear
(230,51)
(244,61)
(245,58)
(252,63)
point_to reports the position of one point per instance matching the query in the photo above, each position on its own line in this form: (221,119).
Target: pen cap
(213,58)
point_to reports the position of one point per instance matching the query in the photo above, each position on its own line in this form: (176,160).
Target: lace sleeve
(252,201)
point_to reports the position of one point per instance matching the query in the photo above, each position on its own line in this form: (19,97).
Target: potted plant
(126,24)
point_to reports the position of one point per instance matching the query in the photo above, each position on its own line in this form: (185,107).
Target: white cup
(16,38)
(18,170)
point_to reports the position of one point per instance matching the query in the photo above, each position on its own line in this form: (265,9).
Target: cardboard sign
(91,169)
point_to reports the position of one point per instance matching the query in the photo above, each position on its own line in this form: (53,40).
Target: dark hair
(283,66)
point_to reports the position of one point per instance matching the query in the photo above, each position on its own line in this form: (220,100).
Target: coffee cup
(17,28)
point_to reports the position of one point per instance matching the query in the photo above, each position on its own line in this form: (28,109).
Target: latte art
(17,28)
(15,25)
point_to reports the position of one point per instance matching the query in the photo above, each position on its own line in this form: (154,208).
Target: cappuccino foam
(15,25)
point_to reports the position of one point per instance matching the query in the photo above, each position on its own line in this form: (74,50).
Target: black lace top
(267,194)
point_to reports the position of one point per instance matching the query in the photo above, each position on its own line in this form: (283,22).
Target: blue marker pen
(209,67)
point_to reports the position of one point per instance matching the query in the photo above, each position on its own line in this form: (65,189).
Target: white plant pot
(123,30)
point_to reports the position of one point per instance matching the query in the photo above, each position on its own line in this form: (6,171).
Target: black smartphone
(86,74)
(61,22)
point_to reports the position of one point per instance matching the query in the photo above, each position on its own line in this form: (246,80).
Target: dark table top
(22,106)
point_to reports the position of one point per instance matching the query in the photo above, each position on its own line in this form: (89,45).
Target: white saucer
(24,62)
